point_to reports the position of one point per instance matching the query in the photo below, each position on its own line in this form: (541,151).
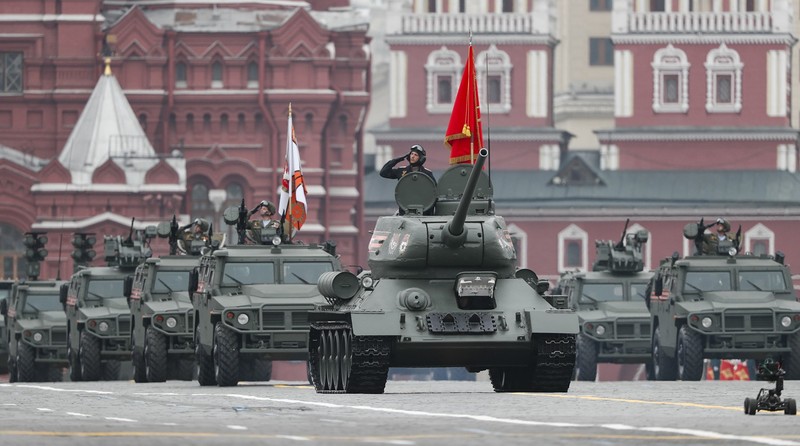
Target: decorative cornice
(437,134)
(485,39)
(703,39)
(697,134)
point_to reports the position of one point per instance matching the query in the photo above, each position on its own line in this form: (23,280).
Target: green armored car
(722,305)
(98,317)
(614,321)
(36,328)
(251,305)
(5,289)
(443,290)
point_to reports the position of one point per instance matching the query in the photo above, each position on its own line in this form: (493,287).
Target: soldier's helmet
(725,224)
(420,151)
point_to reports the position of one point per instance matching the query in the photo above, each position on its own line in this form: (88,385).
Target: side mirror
(127,287)
(647,293)
(62,295)
(4,307)
(194,279)
(658,286)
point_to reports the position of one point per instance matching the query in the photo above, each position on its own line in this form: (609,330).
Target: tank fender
(553,321)
(383,324)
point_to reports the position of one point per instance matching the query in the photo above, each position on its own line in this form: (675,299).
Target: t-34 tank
(443,290)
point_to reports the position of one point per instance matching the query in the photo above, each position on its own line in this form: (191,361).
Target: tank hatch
(415,194)
(452,185)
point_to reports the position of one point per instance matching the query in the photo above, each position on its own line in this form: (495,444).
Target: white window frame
(670,60)
(570,233)
(759,232)
(442,62)
(499,63)
(723,61)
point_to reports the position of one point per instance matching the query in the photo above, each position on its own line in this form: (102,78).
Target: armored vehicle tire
(12,370)
(340,362)
(111,370)
(155,355)
(205,363)
(689,354)
(586,359)
(137,360)
(664,367)
(791,407)
(74,362)
(89,357)
(792,363)
(26,363)
(226,356)
(750,406)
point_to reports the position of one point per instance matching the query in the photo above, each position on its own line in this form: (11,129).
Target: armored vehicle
(443,290)
(251,305)
(614,321)
(98,317)
(5,289)
(722,306)
(36,328)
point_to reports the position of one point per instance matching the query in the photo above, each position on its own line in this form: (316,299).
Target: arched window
(201,206)
(259,122)
(207,122)
(759,240)
(495,89)
(343,124)
(443,71)
(723,81)
(190,121)
(172,122)
(309,123)
(216,74)
(572,249)
(223,123)
(670,81)
(180,75)
(252,75)
(12,252)
(240,123)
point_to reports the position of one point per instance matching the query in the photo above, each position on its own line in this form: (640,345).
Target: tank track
(343,363)
(550,370)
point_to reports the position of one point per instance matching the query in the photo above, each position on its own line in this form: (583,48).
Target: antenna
(488,123)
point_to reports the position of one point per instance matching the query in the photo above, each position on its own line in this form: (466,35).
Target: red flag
(464,133)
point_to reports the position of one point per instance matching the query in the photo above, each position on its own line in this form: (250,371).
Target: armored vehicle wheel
(111,370)
(12,369)
(664,367)
(340,362)
(25,363)
(155,355)
(586,360)
(690,354)
(511,379)
(792,363)
(205,363)
(791,407)
(89,357)
(750,405)
(137,360)
(74,363)
(226,356)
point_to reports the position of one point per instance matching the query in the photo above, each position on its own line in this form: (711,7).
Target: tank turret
(624,256)
(444,228)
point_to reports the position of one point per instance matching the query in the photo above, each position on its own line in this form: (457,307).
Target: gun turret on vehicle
(614,321)
(98,317)
(443,290)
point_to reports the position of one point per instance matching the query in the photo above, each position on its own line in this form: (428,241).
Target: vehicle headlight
(242,318)
(103,326)
(732,251)
(786,321)
(171,322)
(367,282)
(37,337)
(600,330)
(276,240)
(707,322)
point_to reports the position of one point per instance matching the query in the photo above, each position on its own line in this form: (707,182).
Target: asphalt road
(409,413)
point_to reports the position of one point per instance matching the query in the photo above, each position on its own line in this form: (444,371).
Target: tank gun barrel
(454,234)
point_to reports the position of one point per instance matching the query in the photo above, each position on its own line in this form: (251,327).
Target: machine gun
(625,256)
(696,233)
(171,231)
(770,399)
(128,252)
(260,234)
(620,246)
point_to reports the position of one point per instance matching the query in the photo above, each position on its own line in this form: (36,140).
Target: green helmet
(724,223)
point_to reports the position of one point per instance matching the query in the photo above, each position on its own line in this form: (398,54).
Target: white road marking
(168,424)
(44,409)
(56,389)
(127,420)
(293,437)
(9,404)
(76,414)
(237,428)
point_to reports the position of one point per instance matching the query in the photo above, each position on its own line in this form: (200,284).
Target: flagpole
(472,133)
(291,171)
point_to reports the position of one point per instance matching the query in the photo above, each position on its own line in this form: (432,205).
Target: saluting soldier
(712,241)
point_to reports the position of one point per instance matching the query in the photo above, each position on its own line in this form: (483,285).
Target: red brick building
(209,88)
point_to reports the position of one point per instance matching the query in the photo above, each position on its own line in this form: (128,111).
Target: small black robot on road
(770,399)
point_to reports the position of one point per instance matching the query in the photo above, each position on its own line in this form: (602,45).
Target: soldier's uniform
(711,241)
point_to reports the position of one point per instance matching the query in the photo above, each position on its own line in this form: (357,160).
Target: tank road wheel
(586,360)
(690,354)
(792,363)
(791,407)
(26,363)
(226,356)
(664,368)
(205,363)
(155,355)
(510,379)
(342,363)
(137,361)
(750,406)
(89,357)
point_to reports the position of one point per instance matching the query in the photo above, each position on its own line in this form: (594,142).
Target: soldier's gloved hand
(407,157)
(264,203)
